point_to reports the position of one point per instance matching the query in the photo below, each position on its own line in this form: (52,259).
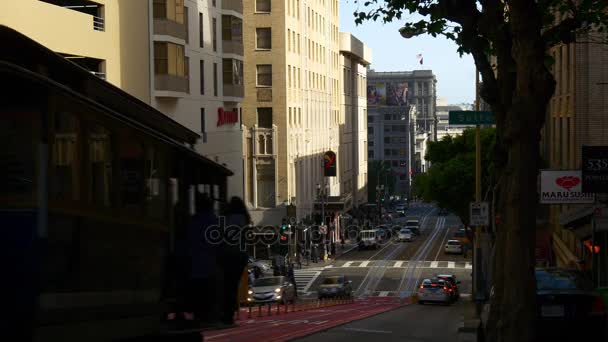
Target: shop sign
(225,117)
(562,187)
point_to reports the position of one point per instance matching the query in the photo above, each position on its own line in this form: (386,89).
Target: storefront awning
(576,217)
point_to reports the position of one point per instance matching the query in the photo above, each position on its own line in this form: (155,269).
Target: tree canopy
(450,182)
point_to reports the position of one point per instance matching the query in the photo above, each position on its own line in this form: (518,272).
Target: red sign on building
(225,117)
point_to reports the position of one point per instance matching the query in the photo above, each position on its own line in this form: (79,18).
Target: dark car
(335,286)
(567,306)
(454,290)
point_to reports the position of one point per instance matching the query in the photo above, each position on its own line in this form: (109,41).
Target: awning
(576,217)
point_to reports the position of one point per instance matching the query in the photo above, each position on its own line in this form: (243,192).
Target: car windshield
(561,280)
(411,223)
(452,242)
(333,281)
(405,231)
(368,234)
(271,281)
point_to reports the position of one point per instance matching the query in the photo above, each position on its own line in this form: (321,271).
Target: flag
(419,56)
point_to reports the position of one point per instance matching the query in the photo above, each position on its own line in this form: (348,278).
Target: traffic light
(283,232)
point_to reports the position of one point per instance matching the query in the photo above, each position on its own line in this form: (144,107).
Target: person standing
(234,260)
(292,278)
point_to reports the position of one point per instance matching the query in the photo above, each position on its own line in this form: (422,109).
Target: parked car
(335,286)
(455,291)
(568,308)
(270,290)
(453,247)
(405,235)
(434,290)
(262,265)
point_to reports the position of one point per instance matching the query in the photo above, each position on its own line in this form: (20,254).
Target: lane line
(442,242)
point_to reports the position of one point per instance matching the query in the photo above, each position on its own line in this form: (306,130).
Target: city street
(383,281)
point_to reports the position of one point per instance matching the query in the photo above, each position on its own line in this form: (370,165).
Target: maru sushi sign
(562,187)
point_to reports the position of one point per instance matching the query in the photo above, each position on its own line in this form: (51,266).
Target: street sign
(479,214)
(471,117)
(562,187)
(595,169)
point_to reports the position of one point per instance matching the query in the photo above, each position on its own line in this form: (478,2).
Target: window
(265,117)
(169,9)
(387,117)
(214,34)
(370,153)
(232,71)
(186,25)
(263,38)
(387,152)
(202,75)
(64,169)
(169,59)
(232,28)
(213,3)
(370,144)
(387,140)
(370,130)
(201,35)
(264,75)
(214,79)
(370,119)
(203,129)
(262,6)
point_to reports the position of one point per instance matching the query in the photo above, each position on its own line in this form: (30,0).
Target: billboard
(397,94)
(329,164)
(376,94)
(562,187)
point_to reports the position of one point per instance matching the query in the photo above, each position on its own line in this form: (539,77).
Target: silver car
(434,290)
(335,286)
(270,290)
(405,235)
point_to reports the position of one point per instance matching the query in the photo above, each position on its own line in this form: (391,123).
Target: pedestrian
(234,259)
(299,259)
(292,278)
(313,253)
(203,283)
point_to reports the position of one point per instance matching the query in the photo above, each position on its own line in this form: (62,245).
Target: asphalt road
(397,268)
(413,323)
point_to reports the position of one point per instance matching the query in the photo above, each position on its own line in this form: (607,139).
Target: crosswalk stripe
(364,264)
(398,264)
(451,264)
(434,264)
(468,266)
(383,293)
(347,264)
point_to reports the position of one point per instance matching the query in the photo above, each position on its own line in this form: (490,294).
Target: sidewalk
(348,246)
(467,332)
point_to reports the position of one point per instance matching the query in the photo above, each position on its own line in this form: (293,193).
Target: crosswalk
(305,278)
(402,264)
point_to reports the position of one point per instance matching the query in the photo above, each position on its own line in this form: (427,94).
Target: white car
(434,290)
(453,247)
(271,289)
(370,238)
(405,235)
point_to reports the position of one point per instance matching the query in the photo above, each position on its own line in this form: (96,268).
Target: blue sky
(390,52)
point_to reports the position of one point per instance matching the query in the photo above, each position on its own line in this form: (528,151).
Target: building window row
(169,9)
(295,117)
(264,75)
(169,59)
(293,8)
(262,6)
(263,38)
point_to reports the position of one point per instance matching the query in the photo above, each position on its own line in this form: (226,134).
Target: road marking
(383,294)
(369,331)
(468,266)
(364,264)
(328,266)
(434,264)
(398,264)
(347,264)
(451,264)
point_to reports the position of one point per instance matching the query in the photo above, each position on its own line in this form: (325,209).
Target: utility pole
(477,281)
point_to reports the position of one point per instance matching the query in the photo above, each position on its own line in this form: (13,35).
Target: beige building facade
(93,34)
(292,106)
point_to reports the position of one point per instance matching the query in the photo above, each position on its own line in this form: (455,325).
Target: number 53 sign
(595,169)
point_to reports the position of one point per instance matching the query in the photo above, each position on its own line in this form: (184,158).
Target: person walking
(313,253)
(203,282)
(234,260)
(292,278)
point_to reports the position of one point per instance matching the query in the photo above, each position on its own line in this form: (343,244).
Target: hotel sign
(225,117)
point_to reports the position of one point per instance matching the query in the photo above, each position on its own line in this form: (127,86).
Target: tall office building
(292,105)
(197,54)
(401,119)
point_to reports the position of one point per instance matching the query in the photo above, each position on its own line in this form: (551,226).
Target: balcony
(165,82)
(171,28)
(233,5)
(234,90)
(264,94)
(233,47)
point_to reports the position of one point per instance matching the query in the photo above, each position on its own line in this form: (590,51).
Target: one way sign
(479,214)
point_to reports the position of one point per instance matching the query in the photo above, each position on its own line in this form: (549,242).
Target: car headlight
(250,292)
(277,290)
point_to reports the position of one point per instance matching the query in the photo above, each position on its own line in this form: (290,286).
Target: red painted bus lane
(292,325)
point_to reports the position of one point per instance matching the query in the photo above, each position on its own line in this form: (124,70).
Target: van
(414,226)
(369,238)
